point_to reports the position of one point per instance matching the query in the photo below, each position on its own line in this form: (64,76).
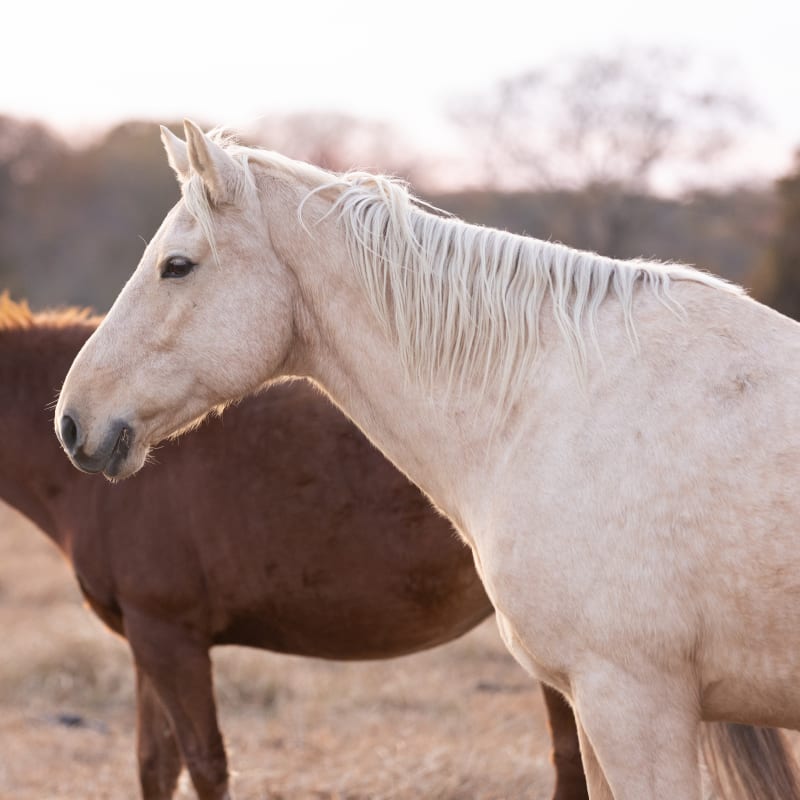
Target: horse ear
(217,169)
(177,153)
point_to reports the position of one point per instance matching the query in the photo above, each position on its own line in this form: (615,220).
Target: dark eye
(177,267)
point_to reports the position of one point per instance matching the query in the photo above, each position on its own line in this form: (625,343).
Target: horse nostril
(69,432)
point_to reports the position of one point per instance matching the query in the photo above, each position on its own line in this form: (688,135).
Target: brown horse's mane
(17,315)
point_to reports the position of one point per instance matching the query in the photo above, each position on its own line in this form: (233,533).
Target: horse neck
(35,476)
(358,366)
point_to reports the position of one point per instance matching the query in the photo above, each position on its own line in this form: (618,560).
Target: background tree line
(579,154)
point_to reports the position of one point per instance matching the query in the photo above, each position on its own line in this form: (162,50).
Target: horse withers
(279,528)
(618,441)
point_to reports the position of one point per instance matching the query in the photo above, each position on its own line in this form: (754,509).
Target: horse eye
(177,267)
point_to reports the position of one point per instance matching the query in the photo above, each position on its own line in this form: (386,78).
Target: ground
(461,722)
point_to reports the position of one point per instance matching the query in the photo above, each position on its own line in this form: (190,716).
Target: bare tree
(28,153)
(777,280)
(607,126)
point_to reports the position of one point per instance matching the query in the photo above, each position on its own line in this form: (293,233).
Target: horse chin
(123,465)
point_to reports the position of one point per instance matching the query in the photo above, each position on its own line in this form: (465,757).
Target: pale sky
(83,65)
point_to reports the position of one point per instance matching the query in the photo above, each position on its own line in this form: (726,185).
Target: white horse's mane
(463,302)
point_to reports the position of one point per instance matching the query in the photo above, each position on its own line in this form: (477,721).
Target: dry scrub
(462,722)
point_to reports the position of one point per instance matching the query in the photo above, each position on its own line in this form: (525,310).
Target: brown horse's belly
(383,624)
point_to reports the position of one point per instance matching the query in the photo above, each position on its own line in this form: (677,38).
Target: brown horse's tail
(752,763)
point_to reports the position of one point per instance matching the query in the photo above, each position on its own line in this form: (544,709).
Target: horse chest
(537,607)
(540,667)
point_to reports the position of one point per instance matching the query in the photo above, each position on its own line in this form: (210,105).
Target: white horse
(617,441)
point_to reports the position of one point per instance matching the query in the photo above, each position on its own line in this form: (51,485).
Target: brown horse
(280,527)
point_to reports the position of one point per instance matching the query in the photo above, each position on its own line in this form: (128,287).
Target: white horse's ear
(217,169)
(177,153)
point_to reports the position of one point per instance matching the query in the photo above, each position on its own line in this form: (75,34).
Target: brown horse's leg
(179,669)
(156,749)
(570,780)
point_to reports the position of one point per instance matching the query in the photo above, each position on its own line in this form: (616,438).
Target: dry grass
(457,723)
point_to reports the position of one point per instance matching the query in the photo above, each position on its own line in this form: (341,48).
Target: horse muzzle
(107,458)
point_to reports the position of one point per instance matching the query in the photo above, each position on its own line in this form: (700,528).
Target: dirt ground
(462,722)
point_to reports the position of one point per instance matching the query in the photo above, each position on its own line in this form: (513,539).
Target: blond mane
(464,302)
(17,315)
